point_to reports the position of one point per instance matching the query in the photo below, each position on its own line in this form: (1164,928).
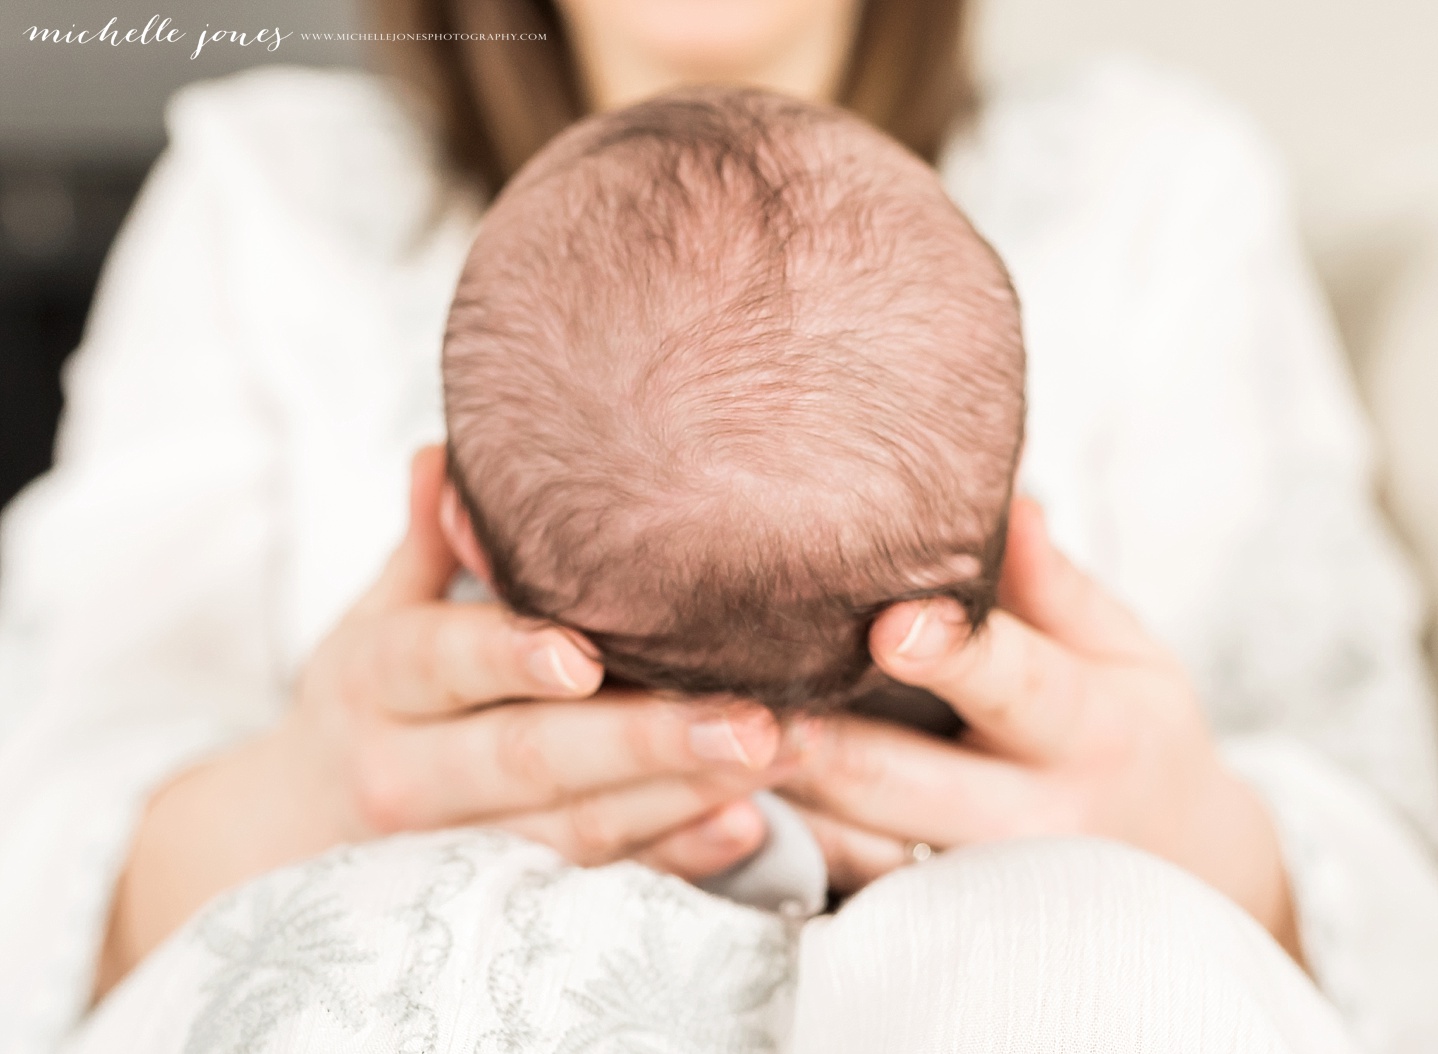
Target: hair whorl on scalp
(724,374)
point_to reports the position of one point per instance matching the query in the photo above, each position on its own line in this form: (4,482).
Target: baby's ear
(459,533)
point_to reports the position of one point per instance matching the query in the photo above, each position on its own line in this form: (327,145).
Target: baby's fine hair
(725,374)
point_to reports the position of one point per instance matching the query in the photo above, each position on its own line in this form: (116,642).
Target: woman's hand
(1079,723)
(393,730)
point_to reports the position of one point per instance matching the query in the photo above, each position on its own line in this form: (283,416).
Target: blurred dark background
(58,214)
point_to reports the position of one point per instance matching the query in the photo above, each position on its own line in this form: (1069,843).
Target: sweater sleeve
(1244,469)
(1314,666)
(136,592)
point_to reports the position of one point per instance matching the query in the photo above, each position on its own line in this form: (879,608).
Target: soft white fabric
(263,358)
(472,941)
(1072,945)
(463,941)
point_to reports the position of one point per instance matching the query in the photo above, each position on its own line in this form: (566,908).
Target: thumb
(420,568)
(1042,586)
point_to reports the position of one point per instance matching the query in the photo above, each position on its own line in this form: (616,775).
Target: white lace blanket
(460,941)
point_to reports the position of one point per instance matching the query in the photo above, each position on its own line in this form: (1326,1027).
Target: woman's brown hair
(498,101)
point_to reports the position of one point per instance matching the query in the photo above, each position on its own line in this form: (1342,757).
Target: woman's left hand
(1079,724)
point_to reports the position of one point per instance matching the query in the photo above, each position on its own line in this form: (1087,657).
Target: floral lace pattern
(277,952)
(464,942)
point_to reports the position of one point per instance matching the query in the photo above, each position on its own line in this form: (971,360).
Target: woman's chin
(712,40)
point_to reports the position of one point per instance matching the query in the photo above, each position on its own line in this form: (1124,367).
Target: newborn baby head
(725,375)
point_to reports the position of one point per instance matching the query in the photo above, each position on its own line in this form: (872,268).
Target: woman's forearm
(226,820)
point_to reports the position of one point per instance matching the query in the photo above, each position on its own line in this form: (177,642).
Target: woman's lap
(474,941)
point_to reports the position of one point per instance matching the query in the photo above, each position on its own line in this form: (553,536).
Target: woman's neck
(809,66)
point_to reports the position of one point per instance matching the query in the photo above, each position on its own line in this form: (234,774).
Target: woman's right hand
(395,728)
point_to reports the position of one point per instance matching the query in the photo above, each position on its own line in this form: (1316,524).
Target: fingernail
(739,823)
(582,644)
(927,636)
(557,664)
(750,740)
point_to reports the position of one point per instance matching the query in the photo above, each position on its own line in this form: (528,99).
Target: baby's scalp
(725,373)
